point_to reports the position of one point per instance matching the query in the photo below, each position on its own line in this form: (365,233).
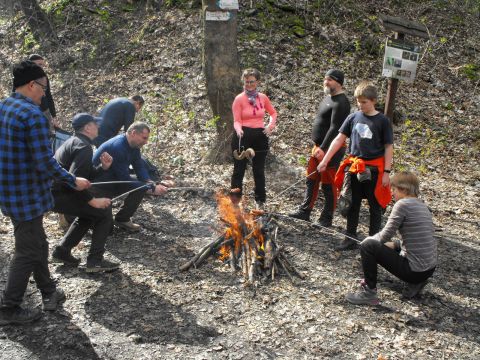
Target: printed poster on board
(401,60)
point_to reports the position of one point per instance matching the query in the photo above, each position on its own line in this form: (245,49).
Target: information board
(400,60)
(227,4)
(217,15)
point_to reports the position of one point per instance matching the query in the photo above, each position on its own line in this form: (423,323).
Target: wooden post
(392,89)
(401,27)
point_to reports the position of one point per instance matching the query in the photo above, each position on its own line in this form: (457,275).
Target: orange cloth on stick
(383,194)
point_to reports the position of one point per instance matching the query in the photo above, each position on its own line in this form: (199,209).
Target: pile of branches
(250,246)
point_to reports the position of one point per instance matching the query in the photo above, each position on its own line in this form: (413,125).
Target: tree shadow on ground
(122,305)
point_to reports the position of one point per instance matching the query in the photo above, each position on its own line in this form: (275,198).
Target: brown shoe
(128,225)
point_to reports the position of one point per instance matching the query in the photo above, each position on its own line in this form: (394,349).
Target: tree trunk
(222,73)
(38,22)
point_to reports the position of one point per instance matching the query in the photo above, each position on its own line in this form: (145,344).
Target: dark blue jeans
(30,256)
(373,252)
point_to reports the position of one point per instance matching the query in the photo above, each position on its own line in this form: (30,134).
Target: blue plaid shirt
(27,165)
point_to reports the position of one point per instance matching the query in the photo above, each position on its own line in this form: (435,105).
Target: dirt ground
(150,310)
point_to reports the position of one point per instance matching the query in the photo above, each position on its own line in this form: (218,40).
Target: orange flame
(240,225)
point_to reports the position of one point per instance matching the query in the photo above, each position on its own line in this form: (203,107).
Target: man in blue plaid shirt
(27,168)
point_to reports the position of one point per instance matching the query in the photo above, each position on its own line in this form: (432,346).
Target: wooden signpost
(401,27)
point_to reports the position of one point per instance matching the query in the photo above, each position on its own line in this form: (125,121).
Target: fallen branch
(206,248)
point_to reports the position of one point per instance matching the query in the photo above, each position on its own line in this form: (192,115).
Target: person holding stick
(414,258)
(331,114)
(90,212)
(27,168)
(125,151)
(249,109)
(366,169)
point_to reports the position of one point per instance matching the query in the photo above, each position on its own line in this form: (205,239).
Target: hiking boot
(325,223)
(365,296)
(347,244)
(17,315)
(62,255)
(128,225)
(301,214)
(51,301)
(412,290)
(102,266)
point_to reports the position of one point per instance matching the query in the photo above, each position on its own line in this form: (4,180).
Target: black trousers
(130,203)
(364,190)
(87,217)
(252,138)
(373,252)
(30,256)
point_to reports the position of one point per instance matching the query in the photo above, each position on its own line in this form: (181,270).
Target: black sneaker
(412,290)
(17,315)
(61,255)
(301,214)
(103,266)
(51,301)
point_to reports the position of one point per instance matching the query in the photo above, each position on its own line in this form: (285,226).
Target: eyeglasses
(251,82)
(44,87)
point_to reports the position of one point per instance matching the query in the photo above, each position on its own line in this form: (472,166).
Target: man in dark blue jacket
(117,114)
(125,151)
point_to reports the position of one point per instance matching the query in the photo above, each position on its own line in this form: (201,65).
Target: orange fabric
(325,177)
(383,194)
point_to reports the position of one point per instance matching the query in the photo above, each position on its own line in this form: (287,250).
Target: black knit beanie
(336,75)
(25,72)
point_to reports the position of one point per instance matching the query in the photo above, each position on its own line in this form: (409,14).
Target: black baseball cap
(82,119)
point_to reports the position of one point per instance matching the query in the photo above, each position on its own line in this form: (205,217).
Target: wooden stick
(253,265)
(244,261)
(189,264)
(279,260)
(268,259)
(233,258)
(292,268)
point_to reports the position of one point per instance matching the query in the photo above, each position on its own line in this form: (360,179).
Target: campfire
(248,242)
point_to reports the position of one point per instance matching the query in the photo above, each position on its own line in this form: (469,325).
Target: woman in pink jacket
(249,110)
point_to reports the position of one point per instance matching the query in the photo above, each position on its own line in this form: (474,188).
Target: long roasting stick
(128,192)
(115,182)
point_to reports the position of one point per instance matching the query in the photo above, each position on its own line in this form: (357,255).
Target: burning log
(246,242)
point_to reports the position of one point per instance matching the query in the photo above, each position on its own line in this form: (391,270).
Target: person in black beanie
(331,114)
(27,168)
(47,105)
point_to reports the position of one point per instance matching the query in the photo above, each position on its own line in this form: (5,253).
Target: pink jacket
(243,112)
